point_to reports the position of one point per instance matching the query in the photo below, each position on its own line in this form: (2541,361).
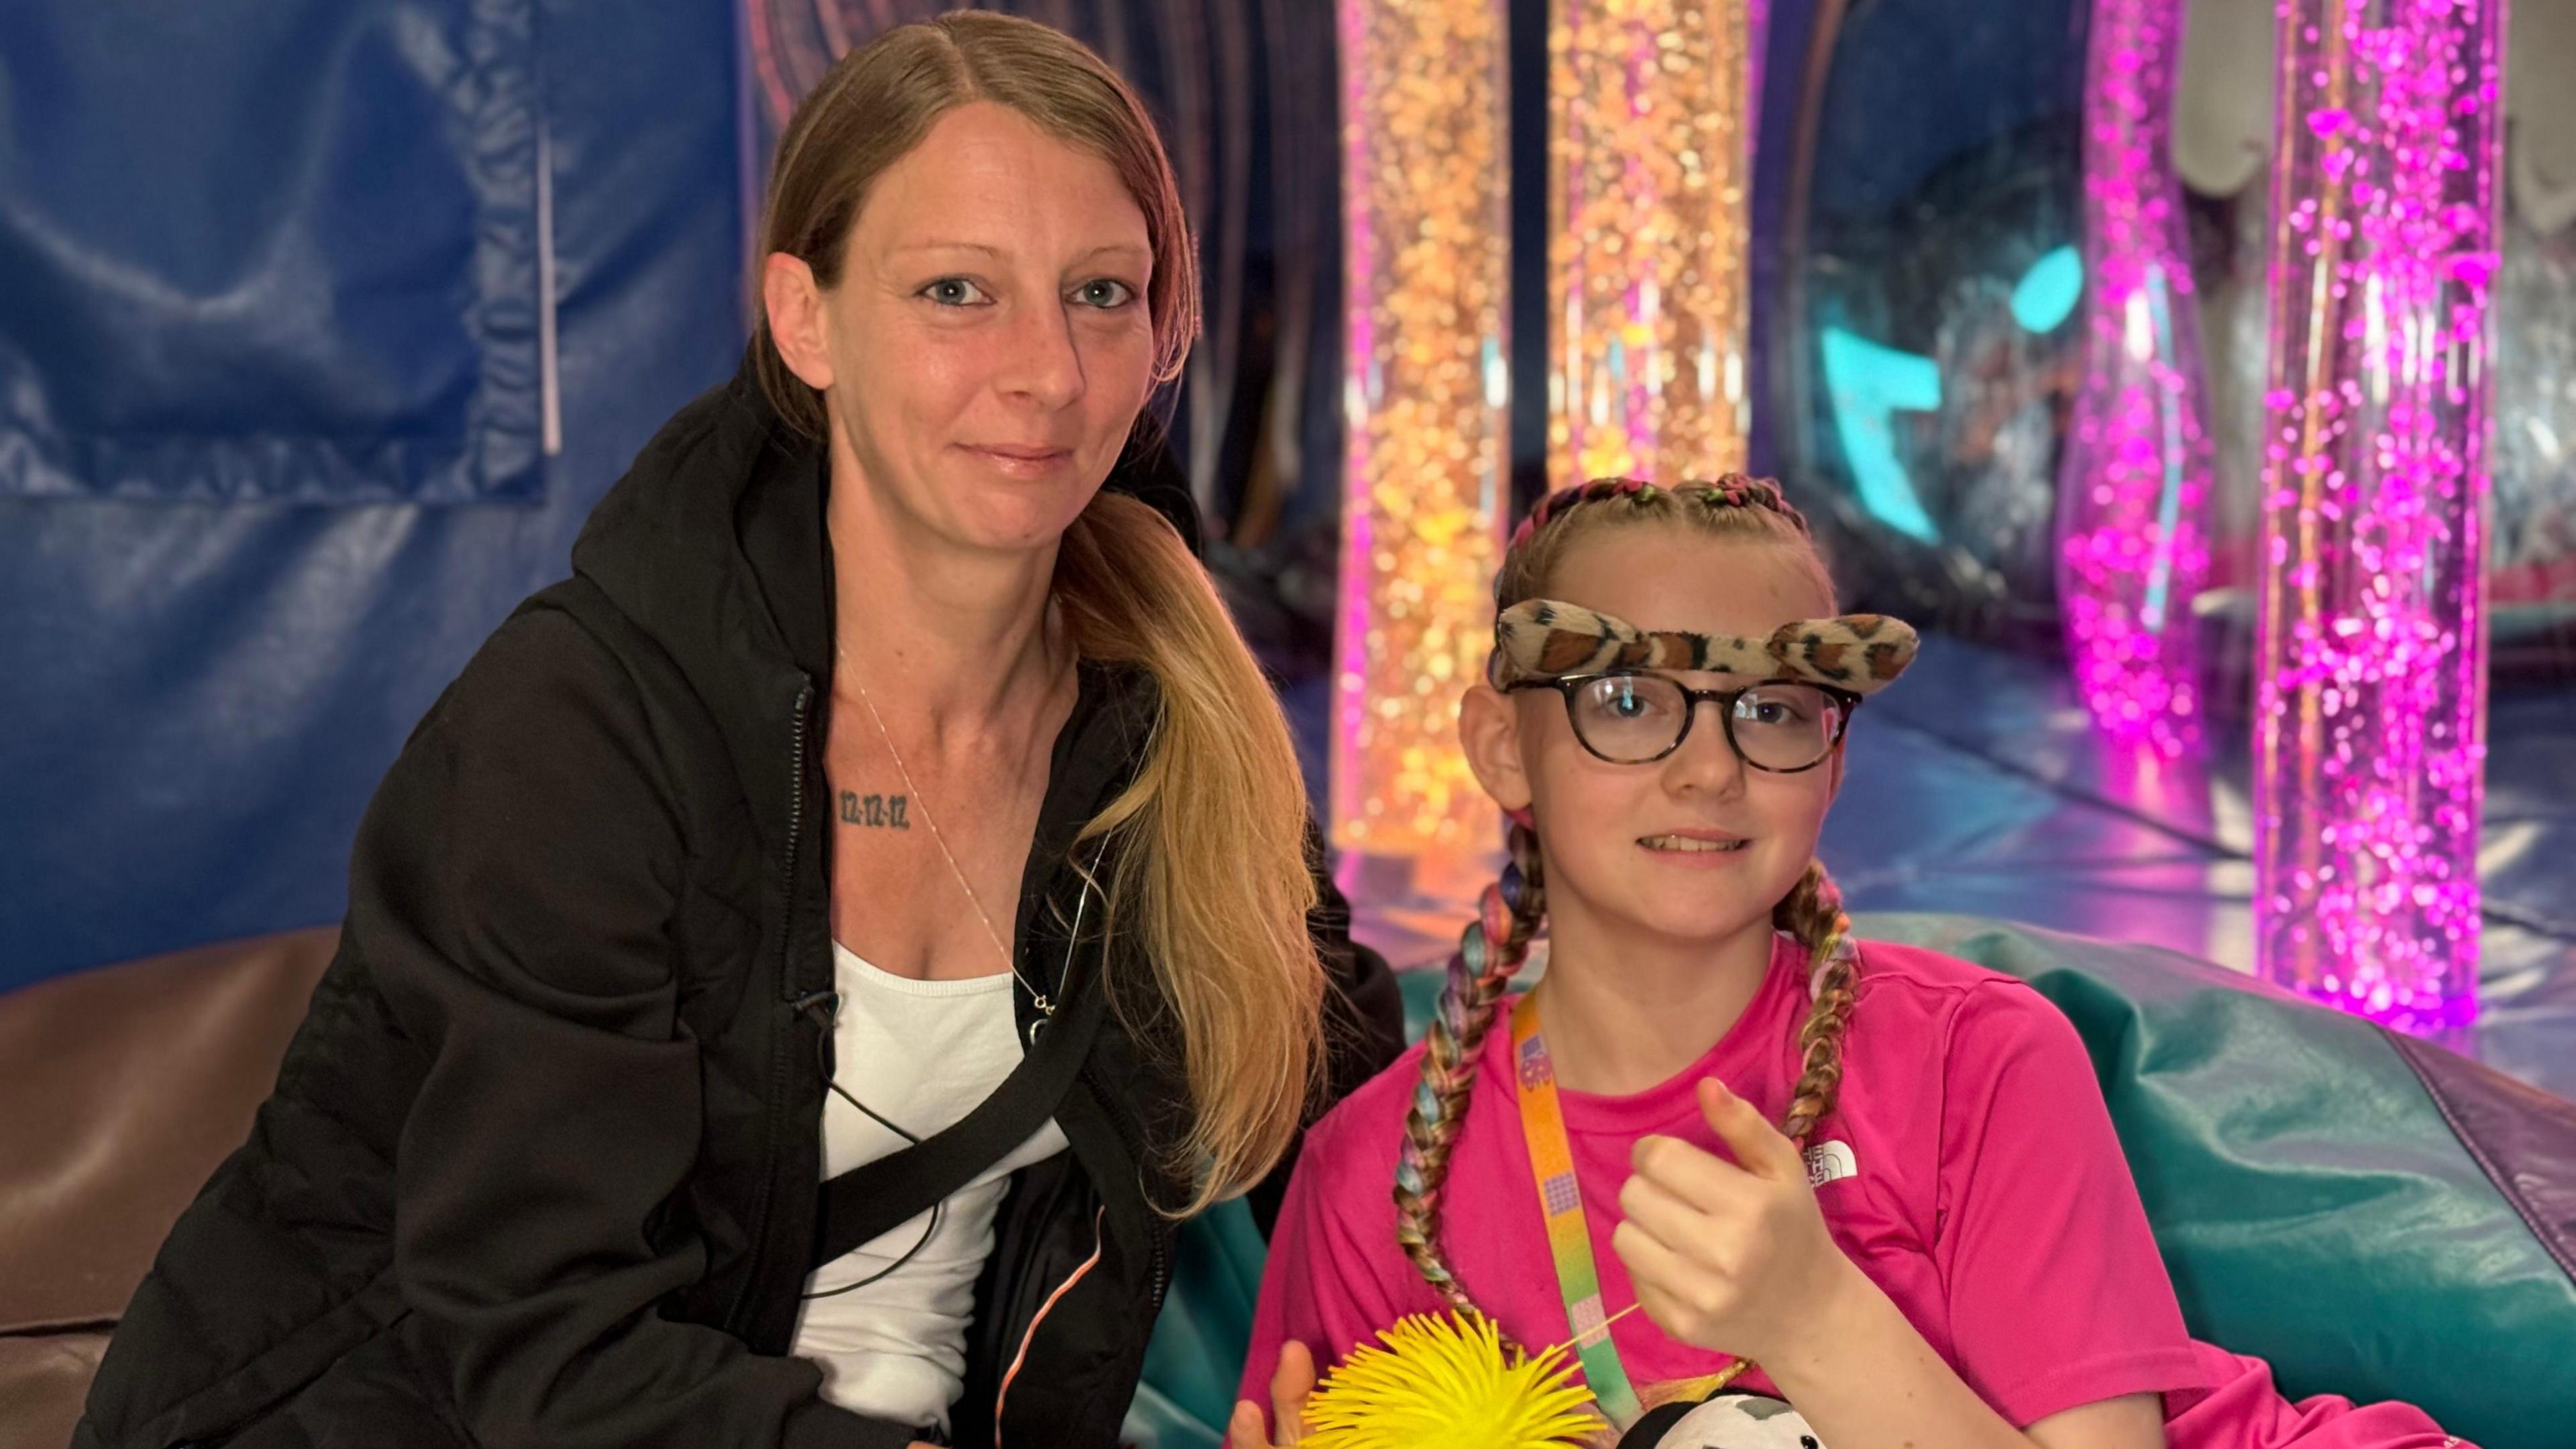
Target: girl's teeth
(1676,842)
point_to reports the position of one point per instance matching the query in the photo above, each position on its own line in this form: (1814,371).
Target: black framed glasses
(1780,725)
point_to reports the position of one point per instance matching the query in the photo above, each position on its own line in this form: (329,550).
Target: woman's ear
(795,308)
(1489,730)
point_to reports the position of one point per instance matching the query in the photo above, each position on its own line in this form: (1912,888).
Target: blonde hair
(1497,943)
(1213,870)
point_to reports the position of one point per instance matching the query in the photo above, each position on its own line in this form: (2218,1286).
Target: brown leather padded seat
(121,1090)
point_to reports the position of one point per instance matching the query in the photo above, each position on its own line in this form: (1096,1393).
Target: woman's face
(989,344)
(1630,842)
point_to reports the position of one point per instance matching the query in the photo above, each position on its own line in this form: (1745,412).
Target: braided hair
(1496,943)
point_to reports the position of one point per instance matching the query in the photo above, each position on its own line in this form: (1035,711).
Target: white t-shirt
(922,1054)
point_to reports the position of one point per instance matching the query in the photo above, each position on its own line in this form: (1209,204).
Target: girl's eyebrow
(1676,674)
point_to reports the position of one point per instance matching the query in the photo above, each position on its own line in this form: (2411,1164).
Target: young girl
(1938,1245)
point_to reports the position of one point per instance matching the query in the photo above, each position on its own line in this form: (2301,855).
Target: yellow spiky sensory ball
(1445,1382)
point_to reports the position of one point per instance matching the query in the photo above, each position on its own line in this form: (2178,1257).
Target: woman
(879,773)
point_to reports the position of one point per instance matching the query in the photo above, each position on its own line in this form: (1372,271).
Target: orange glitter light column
(1427,241)
(1648,167)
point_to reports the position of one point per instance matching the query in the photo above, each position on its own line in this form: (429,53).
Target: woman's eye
(954,292)
(1105,293)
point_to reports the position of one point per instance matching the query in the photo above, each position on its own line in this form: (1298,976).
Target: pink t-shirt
(1990,1201)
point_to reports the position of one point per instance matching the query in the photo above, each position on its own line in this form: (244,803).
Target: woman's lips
(1022,462)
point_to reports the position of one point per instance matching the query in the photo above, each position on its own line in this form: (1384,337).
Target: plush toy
(1725,1421)
(1446,1382)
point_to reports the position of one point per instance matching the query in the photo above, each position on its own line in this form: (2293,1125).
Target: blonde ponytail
(1217,879)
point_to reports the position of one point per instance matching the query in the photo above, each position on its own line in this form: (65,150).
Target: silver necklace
(1045,1006)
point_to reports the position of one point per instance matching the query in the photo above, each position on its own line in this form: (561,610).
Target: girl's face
(1629,843)
(990,343)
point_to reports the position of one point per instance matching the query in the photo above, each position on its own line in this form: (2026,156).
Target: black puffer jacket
(541,1165)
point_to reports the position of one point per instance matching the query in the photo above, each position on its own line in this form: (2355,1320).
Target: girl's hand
(1729,1257)
(1290,1384)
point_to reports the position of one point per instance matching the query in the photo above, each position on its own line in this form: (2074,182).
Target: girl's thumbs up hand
(1732,1257)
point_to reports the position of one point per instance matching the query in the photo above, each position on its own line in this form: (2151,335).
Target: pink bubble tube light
(2133,538)
(2370,718)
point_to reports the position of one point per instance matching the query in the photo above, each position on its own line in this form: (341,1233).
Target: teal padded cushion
(2312,1203)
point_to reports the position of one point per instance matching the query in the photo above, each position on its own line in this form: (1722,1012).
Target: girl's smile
(1696,848)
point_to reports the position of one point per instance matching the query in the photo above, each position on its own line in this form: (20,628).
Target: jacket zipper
(1133,1139)
(783,1055)
(1001,1396)
(795,835)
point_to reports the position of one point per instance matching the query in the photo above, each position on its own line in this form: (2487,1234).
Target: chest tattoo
(876,812)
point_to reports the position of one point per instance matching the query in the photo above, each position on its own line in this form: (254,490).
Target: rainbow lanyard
(1568,1240)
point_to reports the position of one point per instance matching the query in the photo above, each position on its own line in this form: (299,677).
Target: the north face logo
(1829,1161)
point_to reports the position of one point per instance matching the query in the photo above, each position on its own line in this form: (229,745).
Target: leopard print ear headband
(1550,639)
